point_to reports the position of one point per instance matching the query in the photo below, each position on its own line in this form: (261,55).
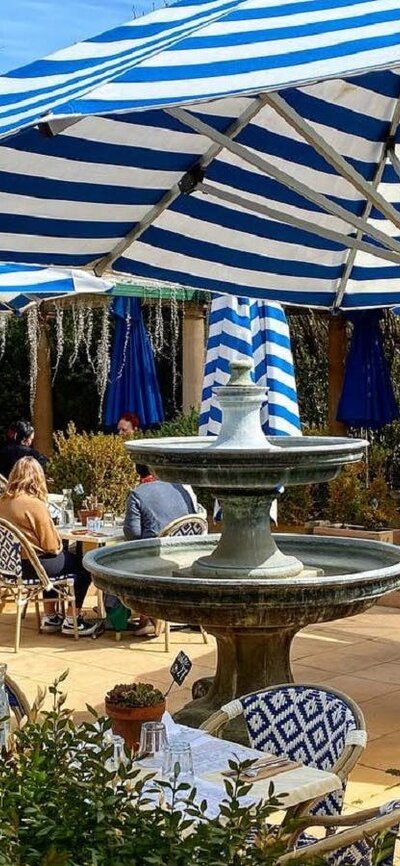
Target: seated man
(150,507)
(153,504)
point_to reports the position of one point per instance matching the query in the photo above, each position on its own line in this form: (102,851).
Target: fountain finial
(241,370)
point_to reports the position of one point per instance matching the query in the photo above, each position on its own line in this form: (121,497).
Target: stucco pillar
(43,404)
(337,349)
(193,334)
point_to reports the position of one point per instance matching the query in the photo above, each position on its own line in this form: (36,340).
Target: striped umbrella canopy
(238,146)
(244,328)
(23,285)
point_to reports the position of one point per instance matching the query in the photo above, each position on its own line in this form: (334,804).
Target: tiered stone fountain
(251,589)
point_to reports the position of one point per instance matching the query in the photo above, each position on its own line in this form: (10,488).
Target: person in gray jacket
(149,508)
(153,504)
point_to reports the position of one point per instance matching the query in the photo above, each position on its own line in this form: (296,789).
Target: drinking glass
(178,762)
(153,739)
(108,519)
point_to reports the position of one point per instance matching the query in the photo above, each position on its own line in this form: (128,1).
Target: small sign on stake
(179,669)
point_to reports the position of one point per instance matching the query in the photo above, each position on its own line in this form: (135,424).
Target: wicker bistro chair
(354,846)
(19,704)
(190,524)
(320,727)
(3,483)
(13,586)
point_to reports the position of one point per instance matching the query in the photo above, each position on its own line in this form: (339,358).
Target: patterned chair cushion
(306,724)
(188,528)
(10,556)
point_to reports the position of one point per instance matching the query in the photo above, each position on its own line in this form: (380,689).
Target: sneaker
(51,623)
(85,626)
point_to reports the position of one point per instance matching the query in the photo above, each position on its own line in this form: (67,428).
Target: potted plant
(128,705)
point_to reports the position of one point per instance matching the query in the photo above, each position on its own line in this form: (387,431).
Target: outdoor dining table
(75,533)
(292,787)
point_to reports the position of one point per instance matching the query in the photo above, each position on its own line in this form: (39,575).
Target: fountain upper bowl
(287,460)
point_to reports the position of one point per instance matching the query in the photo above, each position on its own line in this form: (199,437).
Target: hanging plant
(32,320)
(78,331)
(158,327)
(88,334)
(4,319)
(103,358)
(128,322)
(175,329)
(60,342)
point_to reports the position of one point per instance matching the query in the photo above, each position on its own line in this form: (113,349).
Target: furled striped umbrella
(238,146)
(23,285)
(241,328)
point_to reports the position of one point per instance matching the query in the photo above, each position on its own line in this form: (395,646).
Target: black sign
(180,667)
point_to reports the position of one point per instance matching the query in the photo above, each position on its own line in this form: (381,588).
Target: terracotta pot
(127,721)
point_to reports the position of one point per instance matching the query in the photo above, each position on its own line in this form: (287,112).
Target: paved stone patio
(359,655)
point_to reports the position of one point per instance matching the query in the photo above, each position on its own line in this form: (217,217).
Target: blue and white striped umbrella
(23,285)
(241,328)
(238,146)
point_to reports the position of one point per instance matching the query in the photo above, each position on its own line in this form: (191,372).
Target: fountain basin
(145,575)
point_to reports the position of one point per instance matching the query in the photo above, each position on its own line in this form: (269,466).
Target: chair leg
(71,599)
(166,636)
(25,608)
(20,605)
(204,634)
(37,610)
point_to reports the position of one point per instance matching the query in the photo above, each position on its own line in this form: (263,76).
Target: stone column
(337,349)
(193,333)
(43,402)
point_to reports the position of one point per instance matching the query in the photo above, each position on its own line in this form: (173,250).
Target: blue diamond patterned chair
(317,726)
(370,838)
(14,587)
(19,704)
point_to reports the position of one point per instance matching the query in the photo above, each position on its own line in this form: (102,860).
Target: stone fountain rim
(91,562)
(195,444)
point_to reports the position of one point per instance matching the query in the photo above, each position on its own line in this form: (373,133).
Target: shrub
(98,462)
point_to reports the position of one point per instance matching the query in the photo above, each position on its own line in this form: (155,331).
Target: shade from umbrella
(367,398)
(23,285)
(240,328)
(245,148)
(133,385)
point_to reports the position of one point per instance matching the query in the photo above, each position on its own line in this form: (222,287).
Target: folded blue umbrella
(133,384)
(367,398)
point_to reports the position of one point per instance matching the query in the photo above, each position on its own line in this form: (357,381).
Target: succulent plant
(135,695)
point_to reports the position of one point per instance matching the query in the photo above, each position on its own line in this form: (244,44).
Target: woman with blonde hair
(24,504)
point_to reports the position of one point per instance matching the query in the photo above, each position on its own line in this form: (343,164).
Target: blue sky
(30,29)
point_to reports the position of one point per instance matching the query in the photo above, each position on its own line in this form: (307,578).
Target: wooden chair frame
(170,530)
(363,826)
(22,592)
(344,764)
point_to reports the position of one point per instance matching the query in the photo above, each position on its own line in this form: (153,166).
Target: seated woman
(18,444)
(24,504)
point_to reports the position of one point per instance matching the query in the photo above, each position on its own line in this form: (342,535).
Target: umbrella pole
(337,349)
(193,339)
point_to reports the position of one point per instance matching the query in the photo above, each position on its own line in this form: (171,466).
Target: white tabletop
(105,535)
(210,762)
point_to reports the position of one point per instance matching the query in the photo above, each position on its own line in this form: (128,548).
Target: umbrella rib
(335,159)
(176,190)
(376,181)
(255,207)
(268,168)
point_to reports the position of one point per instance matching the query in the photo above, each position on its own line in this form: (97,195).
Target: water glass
(178,762)
(153,738)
